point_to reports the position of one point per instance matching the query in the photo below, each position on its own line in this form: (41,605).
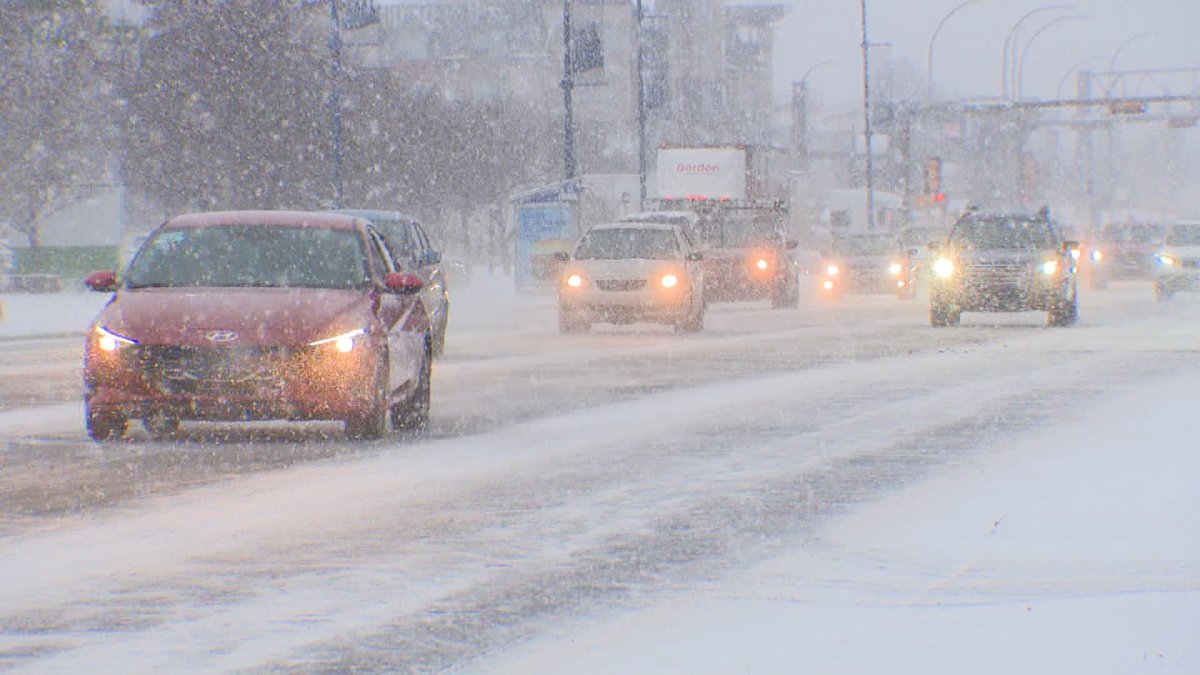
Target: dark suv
(1004,262)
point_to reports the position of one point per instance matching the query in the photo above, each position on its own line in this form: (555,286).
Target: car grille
(213,371)
(621,284)
(996,274)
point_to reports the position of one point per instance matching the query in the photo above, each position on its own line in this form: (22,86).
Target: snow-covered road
(838,488)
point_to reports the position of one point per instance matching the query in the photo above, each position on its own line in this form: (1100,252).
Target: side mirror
(430,257)
(562,256)
(791,244)
(104,281)
(403,282)
(695,257)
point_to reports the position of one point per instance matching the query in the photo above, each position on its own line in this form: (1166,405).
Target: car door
(695,268)
(405,332)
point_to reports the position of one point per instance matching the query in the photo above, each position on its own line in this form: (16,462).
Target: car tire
(787,296)
(693,324)
(1162,293)
(412,415)
(439,338)
(105,426)
(944,314)
(568,324)
(371,423)
(161,428)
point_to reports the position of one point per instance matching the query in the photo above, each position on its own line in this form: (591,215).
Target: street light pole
(335,103)
(1032,39)
(641,103)
(866,59)
(568,85)
(929,62)
(1010,45)
(1112,63)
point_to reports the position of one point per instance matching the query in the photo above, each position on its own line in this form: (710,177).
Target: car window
(1184,235)
(1004,232)
(628,243)
(250,255)
(381,254)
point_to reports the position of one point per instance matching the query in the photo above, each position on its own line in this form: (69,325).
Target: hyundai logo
(221,336)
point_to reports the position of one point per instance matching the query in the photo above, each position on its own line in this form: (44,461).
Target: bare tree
(54,129)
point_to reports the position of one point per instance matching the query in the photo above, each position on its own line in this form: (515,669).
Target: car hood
(869,261)
(288,316)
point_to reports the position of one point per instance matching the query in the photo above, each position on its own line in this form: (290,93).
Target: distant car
(1122,252)
(868,263)
(257,315)
(414,252)
(1178,261)
(1004,262)
(632,273)
(688,220)
(748,256)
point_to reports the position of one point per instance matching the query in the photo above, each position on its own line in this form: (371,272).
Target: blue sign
(542,231)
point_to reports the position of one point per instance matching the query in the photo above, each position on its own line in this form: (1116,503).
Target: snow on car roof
(273,218)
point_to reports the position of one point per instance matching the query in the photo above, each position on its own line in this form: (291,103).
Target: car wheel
(412,415)
(105,426)
(572,324)
(371,423)
(942,314)
(693,324)
(786,296)
(161,427)
(1162,292)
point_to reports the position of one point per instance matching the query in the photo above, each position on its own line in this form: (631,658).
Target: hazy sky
(968,52)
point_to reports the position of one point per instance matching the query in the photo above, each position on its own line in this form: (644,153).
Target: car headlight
(762,264)
(832,270)
(344,343)
(109,341)
(1166,260)
(1050,267)
(1097,256)
(944,268)
(896,268)
(574,280)
(1075,253)
(669,281)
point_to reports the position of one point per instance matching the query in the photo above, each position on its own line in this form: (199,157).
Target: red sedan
(259,315)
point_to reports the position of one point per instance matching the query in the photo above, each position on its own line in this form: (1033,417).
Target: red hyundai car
(259,315)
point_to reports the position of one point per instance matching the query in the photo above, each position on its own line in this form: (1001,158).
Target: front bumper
(1000,289)
(232,383)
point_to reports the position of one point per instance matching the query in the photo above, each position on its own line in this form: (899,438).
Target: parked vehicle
(1178,261)
(626,273)
(869,263)
(414,252)
(258,315)
(1004,262)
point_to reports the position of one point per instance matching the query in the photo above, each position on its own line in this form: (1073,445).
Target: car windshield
(628,243)
(1184,235)
(1133,234)
(737,231)
(250,255)
(866,246)
(1003,232)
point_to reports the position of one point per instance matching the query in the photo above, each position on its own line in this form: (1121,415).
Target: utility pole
(568,85)
(641,104)
(335,101)
(866,59)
